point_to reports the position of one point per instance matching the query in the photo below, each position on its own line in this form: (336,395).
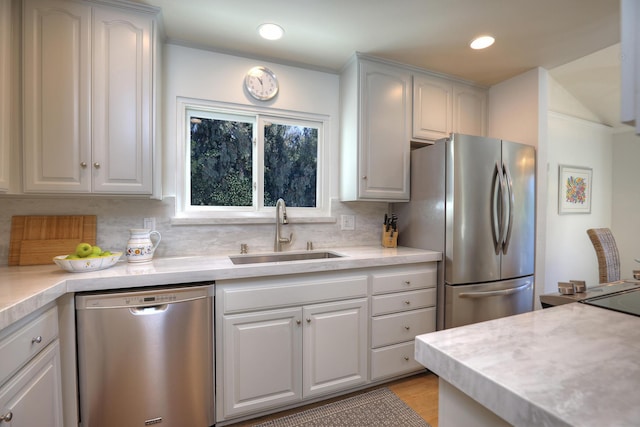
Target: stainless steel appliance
(145,357)
(627,301)
(473,198)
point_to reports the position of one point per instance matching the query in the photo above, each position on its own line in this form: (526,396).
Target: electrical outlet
(347,222)
(150,223)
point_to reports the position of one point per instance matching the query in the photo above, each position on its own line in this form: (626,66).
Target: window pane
(221,163)
(290,164)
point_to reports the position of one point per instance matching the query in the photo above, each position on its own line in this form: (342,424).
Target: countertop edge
(27,289)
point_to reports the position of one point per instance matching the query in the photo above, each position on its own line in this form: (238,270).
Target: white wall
(626,199)
(569,252)
(517,108)
(200,74)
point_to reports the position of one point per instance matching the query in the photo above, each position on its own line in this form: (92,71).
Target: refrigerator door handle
(495,225)
(498,218)
(511,202)
(501,292)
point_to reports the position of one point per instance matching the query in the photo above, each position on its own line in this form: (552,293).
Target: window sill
(177,221)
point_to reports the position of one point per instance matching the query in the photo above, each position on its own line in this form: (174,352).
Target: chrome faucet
(279,240)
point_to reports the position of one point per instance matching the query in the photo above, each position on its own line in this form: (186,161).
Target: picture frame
(574,189)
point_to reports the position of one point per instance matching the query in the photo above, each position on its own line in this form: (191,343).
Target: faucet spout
(281,219)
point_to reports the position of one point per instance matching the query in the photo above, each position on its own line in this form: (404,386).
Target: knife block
(389,238)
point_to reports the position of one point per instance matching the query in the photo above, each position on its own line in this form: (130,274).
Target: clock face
(261,83)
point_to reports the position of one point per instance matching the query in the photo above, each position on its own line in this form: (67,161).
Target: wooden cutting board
(36,239)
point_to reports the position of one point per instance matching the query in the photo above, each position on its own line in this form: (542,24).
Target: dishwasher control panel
(143,298)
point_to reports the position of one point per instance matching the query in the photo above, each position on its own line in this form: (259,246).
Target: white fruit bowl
(87,264)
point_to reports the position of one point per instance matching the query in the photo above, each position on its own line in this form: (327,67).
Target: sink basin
(282,257)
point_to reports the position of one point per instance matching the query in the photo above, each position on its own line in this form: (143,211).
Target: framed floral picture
(574,190)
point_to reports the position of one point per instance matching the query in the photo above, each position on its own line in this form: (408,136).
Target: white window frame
(256,213)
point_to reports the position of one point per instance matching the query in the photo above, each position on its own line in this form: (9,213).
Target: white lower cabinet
(285,340)
(30,378)
(33,396)
(270,357)
(403,305)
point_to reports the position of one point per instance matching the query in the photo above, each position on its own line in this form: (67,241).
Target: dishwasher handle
(148,310)
(501,292)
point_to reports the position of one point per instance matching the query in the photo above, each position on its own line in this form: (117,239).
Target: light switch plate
(347,222)
(150,223)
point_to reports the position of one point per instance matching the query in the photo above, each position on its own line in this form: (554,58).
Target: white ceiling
(432,34)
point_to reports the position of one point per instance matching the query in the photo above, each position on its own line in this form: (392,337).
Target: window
(238,163)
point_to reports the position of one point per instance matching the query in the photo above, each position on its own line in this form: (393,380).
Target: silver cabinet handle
(298,322)
(407,302)
(364,177)
(407,282)
(407,327)
(96,165)
(36,340)
(6,417)
(83,165)
(406,358)
(308,320)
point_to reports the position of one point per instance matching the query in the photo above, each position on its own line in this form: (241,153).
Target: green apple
(83,250)
(96,250)
(93,256)
(105,253)
(72,256)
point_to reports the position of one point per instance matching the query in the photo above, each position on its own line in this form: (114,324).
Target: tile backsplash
(117,215)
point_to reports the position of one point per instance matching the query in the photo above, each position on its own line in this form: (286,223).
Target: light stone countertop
(573,364)
(25,289)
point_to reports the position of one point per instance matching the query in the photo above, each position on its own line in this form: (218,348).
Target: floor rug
(380,408)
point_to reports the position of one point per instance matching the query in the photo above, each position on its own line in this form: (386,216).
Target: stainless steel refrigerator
(473,199)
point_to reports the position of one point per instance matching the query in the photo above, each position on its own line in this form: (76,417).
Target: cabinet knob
(364,177)
(407,302)
(7,417)
(96,165)
(407,282)
(298,322)
(406,359)
(407,327)
(83,165)
(36,340)
(308,320)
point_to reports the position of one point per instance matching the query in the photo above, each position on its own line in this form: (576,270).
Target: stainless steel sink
(282,257)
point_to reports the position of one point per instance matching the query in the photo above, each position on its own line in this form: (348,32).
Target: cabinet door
(262,361)
(385,132)
(5,90)
(122,78)
(33,396)
(335,346)
(432,107)
(470,110)
(57,93)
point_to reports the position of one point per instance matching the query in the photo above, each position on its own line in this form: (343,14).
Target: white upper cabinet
(442,106)
(5,92)
(375,131)
(630,70)
(88,102)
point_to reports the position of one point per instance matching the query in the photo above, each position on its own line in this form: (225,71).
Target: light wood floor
(419,392)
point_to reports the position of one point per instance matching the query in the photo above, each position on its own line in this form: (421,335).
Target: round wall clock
(261,83)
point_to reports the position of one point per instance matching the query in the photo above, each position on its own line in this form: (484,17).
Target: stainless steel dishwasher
(145,357)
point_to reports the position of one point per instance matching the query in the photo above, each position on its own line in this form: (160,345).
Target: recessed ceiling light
(482,42)
(270,31)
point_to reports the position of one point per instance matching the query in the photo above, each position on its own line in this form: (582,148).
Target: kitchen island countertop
(573,365)
(25,289)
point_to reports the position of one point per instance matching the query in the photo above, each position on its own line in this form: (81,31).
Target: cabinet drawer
(394,360)
(271,293)
(400,327)
(409,279)
(19,347)
(403,301)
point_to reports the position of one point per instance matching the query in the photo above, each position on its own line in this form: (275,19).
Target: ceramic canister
(140,247)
